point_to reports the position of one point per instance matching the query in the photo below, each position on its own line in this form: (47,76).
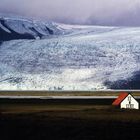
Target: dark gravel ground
(21,127)
(65,123)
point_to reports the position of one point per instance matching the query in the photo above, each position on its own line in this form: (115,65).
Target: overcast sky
(99,12)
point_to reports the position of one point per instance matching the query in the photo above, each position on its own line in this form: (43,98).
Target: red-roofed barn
(126,100)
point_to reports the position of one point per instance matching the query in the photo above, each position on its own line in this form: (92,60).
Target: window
(129,98)
(129,105)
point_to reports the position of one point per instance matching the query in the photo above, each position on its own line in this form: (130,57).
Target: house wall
(132,104)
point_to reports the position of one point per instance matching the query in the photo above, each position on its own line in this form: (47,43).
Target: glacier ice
(82,59)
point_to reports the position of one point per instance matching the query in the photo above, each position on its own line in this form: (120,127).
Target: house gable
(129,102)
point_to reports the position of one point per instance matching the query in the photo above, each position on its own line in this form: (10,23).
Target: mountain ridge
(20,28)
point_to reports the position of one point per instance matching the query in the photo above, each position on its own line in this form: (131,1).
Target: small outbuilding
(126,101)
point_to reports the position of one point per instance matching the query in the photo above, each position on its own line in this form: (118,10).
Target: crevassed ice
(74,62)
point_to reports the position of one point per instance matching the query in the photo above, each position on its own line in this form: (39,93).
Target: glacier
(74,58)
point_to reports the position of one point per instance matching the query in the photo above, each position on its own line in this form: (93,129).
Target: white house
(126,100)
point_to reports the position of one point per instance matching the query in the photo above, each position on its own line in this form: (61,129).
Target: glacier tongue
(84,59)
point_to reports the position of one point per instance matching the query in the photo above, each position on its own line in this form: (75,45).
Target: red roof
(121,97)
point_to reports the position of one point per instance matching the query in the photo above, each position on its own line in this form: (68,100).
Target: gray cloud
(101,12)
